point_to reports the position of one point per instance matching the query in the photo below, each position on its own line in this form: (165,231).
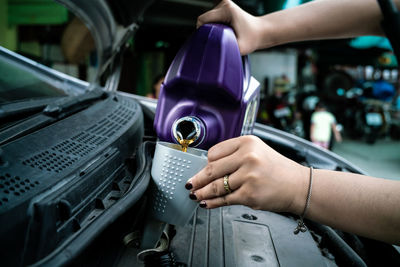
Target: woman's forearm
(321,19)
(355,203)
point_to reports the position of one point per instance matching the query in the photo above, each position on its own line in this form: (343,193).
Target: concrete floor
(381,159)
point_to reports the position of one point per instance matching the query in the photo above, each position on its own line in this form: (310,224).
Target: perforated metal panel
(171,175)
(171,167)
(50,161)
(128,103)
(14,186)
(74,148)
(69,151)
(89,139)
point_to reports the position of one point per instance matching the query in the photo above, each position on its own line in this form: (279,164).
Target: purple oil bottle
(208,94)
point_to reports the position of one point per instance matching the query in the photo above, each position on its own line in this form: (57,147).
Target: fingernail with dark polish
(188,185)
(192,196)
(203,204)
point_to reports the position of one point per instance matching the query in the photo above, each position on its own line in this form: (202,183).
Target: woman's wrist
(276,29)
(300,190)
(267,34)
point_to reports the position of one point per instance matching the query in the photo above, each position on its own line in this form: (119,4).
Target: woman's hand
(247,27)
(315,20)
(259,177)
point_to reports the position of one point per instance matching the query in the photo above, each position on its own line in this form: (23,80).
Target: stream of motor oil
(185,143)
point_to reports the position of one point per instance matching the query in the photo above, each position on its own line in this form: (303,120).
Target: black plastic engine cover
(240,236)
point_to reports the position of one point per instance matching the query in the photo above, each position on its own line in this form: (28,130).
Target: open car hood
(111,24)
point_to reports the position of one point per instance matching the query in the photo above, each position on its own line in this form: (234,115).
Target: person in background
(246,171)
(323,123)
(156,87)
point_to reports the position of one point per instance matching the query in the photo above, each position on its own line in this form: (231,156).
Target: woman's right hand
(247,27)
(259,177)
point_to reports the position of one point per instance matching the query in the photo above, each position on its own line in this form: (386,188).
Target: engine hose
(337,246)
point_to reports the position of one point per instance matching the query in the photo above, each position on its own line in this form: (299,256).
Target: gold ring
(226,184)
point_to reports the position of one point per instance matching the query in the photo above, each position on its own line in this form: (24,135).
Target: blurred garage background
(357,79)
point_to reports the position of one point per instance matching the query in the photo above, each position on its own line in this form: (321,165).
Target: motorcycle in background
(373,124)
(373,120)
